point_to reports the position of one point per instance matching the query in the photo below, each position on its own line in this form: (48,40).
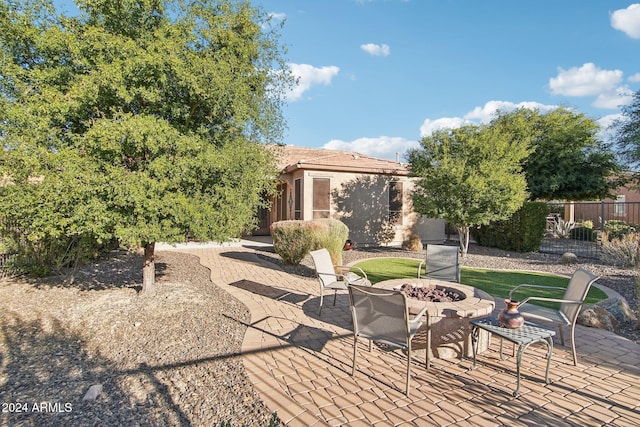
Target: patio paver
(300,365)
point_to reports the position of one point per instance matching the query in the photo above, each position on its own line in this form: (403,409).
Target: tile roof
(291,158)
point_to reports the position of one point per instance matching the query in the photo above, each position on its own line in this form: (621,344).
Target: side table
(523,337)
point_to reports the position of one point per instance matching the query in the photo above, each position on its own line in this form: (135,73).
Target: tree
(469,176)
(627,132)
(145,116)
(568,161)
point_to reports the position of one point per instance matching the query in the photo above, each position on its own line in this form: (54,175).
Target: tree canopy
(568,161)
(138,120)
(470,176)
(627,132)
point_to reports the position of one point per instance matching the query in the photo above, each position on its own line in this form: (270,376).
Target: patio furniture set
(385,314)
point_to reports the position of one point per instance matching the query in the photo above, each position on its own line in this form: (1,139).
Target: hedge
(523,232)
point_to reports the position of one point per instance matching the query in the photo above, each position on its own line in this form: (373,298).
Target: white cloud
(587,80)
(606,132)
(384,147)
(479,115)
(614,99)
(608,120)
(376,49)
(429,126)
(634,78)
(627,20)
(309,76)
(487,113)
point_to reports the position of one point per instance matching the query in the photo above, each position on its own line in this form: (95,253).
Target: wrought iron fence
(5,260)
(6,254)
(578,226)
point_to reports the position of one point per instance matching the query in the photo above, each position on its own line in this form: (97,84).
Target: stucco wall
(361,201)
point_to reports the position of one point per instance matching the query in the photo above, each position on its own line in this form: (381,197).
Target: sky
(375,76)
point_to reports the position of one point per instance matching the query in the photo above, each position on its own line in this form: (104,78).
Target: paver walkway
(300,365)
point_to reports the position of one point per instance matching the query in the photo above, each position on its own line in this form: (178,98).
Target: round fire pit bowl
(450,329)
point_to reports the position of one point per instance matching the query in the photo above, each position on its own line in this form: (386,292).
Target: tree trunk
(149,268)
(463,233)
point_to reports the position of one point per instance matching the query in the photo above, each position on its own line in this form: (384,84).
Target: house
(624,206)
(371,196)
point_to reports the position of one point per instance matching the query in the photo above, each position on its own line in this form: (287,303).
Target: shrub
(293,240)
(623,252)
(42,251)
(60,255)
(563,228)
(332,235)
(523,232)
(583,233)
(413,244)
(587,224)
(617,229)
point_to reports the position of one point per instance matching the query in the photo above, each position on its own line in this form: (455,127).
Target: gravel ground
(169,359)
(165,359)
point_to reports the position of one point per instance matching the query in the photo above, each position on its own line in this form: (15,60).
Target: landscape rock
(597,317)
(93,393)
(619,308)
(569,258)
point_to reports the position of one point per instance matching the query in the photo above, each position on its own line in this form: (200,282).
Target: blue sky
(377,75)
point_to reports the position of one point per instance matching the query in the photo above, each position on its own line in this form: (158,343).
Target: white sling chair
(329,279)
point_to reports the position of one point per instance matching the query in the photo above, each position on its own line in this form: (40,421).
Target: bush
(583,234)
(617,229)
(563,228)
(61,255)
(523,232)
(587,224)
(624,251)
(293,240)
(413,244)
(333,234)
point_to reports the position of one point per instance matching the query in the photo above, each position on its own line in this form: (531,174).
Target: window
(395,202)
(281,205)
(297,213)
(321,198)
(618,206)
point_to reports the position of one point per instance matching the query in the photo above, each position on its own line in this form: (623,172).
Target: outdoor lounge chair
(570,304)
(330,279)
(441,263)
(382,315)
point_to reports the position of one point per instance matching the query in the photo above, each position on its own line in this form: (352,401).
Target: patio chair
(330,279)
(382,315)
(441,263)
(570,304)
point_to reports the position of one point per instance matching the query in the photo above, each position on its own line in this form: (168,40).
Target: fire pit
(431,293)
(449,317)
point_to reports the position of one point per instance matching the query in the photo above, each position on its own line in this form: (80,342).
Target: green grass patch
(497,283)
(379,269)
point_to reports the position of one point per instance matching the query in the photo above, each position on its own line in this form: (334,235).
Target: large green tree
(469,176)
(627,132)
(568,161)
(139,120)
